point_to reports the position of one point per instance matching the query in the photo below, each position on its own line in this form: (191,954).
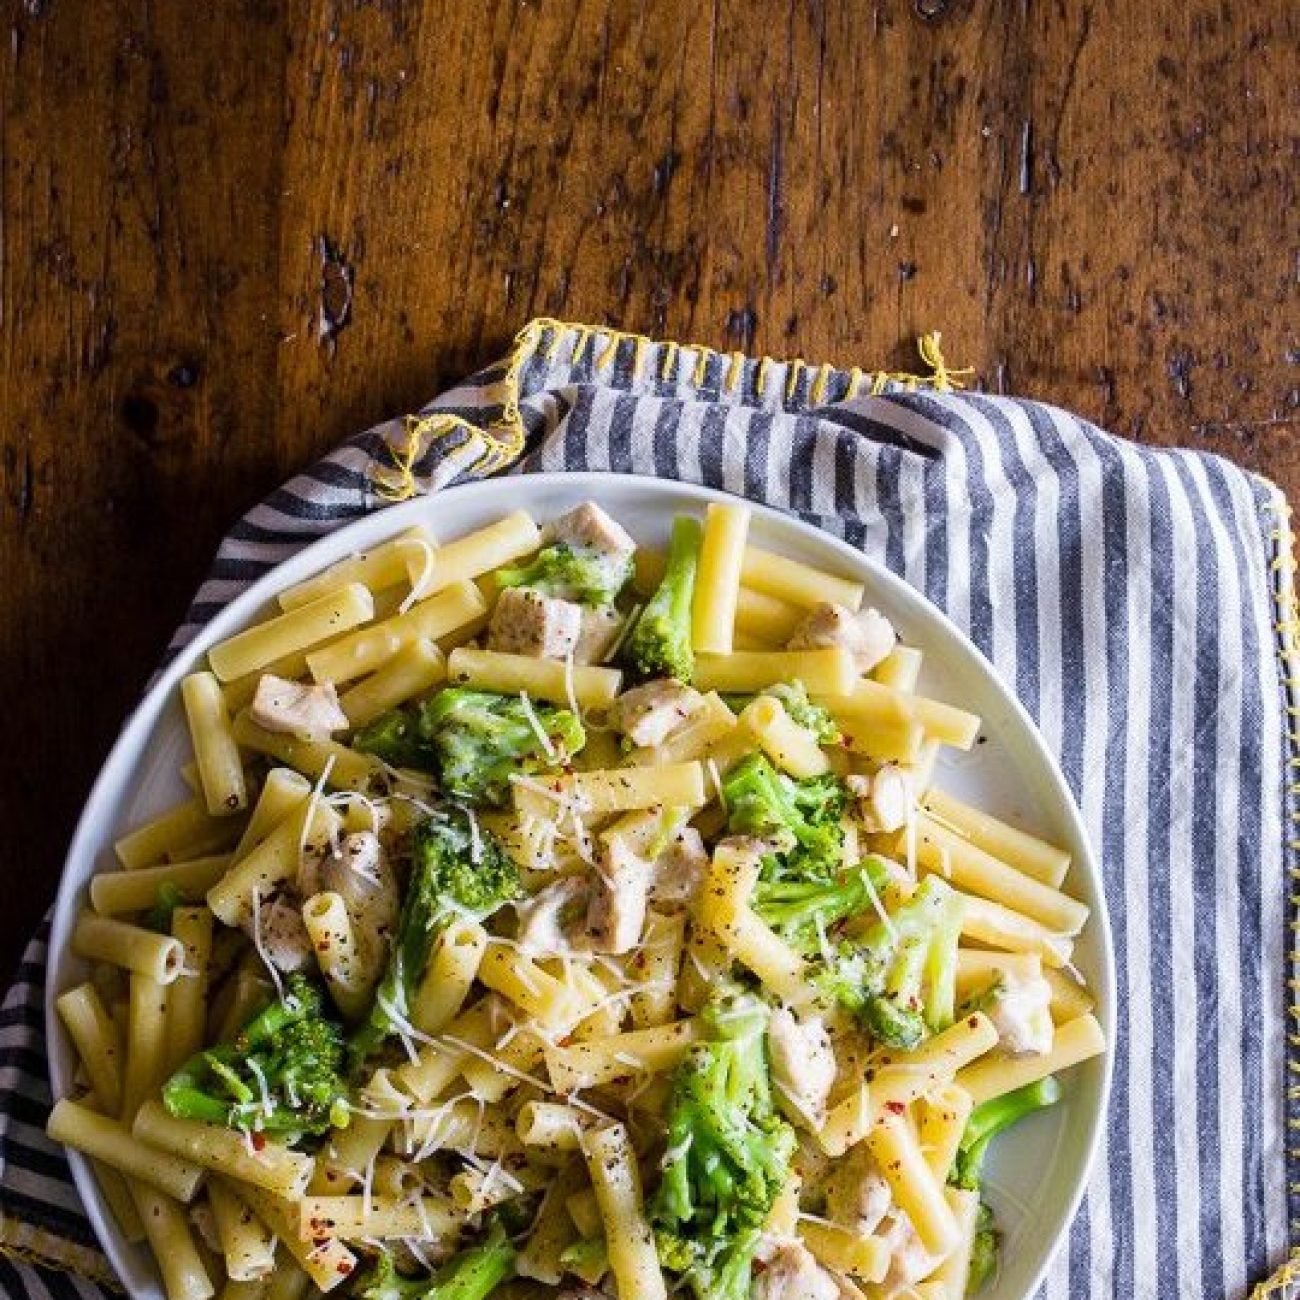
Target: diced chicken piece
(205,1224)
(525,622)
(551,918)
(616,914)
(647,715)
(884,798)
(310,712)
(1021,1011)
(588,525)
(679,870)
(867,635)
(909,1261)
(600,628)
(803,1066)
(857,1195)
(361,875)
(791,1273)
(281,934)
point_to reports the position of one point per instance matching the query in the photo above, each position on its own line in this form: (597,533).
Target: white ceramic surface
(1035,1176)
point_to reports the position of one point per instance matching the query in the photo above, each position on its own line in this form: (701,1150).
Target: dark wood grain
(234,233)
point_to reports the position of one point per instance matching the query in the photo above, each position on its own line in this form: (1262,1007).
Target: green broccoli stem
(660,643)
(984,1251)
(989,1119)
(475,1273)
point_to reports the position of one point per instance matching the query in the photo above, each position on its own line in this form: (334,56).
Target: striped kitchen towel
(1139,603)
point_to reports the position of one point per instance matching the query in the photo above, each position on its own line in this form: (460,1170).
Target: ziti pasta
(526,930)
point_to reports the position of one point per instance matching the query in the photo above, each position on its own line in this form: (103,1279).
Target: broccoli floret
(989,1119)
(804,911)
(457,868)
(572,572)
(804,816)
(395,737)
(899,978)
(167,898)
(728,1154)
(281,1075)
(807,714)
(478,739)
(471,1274)
(985,1123)
(984,1250)
(660,644)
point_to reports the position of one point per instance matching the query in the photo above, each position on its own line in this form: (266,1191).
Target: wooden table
(229,241)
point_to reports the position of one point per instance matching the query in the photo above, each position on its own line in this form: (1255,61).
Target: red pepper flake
(344,1267)
(259,1142)
(895,1107)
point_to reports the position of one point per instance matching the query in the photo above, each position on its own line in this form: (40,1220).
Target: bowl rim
(87,843)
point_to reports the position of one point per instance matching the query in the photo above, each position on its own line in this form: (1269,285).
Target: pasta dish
(554,916)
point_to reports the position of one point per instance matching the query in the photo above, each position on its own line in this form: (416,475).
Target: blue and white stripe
(1132,600)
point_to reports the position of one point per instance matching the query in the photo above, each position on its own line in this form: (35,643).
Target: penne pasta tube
(143,952)
(900,670)
(95,1037)
(978,971)
(168,1232)
(426,1218)
(971,869)
(476,553)
(121,1201)
(326,1261)
(413,670)
(467,1125)
(373,647)
(1026,853)
(385,565)
(1069,998)
(916,1190)
(951,1279)
(187,830)
(221,770)
(437,1064)
(1074,1041)
(347,1153)
(93,1134)
(297,629)
(800,584)
(247,1244)
(904,1078)
(990,923)
(238,694)
(843,1251)
(187,997)
(552,1229)
(551,1126)
(877,722)
(272,1167)
(552,680)
(611,1163)
(346,769)
(717,579)
(449,975)
(656,964)
(329,927)
(113,893)
(282,792)
(942,1116)
(824,672)
(638,1052)
(769,620)
(272,862)
(619,789)
(791,747)
(585,1213)
(522,981)
(288,1281)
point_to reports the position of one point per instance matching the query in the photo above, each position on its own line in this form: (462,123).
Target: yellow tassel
(1276,1286)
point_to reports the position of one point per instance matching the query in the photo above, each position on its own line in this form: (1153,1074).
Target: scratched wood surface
(230,235)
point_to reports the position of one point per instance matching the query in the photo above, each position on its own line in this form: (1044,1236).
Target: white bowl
(1036,1176)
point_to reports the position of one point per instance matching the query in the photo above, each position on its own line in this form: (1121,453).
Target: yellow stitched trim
(1285,1277)
(1287,629)
(31,1245)
(502,442)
